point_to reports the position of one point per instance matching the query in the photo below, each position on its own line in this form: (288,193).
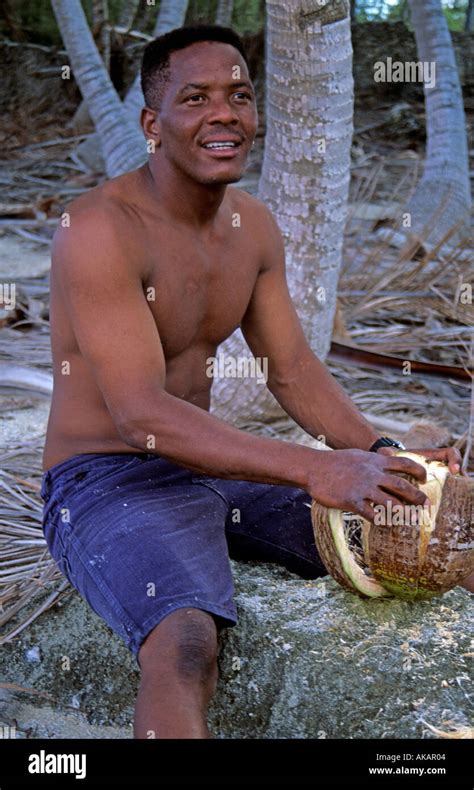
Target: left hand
(448,455)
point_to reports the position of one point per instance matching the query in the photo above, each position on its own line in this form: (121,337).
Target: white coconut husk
(409,558)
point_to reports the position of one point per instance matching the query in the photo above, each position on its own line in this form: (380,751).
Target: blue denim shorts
(139,536)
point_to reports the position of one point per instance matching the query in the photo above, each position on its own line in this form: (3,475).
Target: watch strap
(385,441)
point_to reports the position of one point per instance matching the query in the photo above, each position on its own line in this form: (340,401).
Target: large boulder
(307,660)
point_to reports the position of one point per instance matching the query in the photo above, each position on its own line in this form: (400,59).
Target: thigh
(270,523)
(140,542)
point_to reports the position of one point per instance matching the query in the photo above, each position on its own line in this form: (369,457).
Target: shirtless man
(141,483)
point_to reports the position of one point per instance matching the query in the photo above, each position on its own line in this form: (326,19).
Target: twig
(47,143)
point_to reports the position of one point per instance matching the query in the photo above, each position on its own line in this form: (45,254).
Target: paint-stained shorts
(139,536)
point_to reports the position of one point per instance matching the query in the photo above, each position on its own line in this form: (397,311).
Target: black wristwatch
(385,441)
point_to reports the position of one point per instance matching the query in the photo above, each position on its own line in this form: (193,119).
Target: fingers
(364,509)
(398,463)
(449,455)
(454,460)
(398,486)
(388,510)
(386,500)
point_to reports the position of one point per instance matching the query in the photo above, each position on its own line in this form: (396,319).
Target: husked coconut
(418,553)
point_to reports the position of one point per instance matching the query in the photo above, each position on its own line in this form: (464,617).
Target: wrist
(386,441)
(299,464)
(369,441)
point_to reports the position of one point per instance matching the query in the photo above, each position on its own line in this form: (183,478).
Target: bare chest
(199,295)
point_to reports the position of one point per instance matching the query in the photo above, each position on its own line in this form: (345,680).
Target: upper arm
(114,328)
(271,325)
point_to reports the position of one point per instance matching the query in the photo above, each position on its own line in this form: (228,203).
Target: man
(146,493)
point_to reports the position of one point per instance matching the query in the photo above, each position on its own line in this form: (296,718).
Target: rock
(26,720)
(329,664)
(306,660)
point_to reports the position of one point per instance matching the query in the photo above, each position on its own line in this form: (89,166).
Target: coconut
(417,553)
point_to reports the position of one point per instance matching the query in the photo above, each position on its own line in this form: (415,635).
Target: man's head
(199,98)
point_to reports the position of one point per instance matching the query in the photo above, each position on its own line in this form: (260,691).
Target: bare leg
(178,662)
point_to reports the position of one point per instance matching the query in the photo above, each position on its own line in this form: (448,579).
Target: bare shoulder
(92,228)
(255,213)
(249,205)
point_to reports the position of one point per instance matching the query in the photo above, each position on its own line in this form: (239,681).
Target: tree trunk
(469,24)
(82,121)
(224,12)
(172,14)
(145,16)
(442,196)
(122,145)
(128,13)
(101,29)
(306,171)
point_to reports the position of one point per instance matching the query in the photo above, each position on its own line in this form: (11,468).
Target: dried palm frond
(30,581)
(27,348)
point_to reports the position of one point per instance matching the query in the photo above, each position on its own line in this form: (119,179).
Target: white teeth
(220,145)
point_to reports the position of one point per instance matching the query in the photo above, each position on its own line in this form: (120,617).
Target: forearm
(196,439)
(314,399)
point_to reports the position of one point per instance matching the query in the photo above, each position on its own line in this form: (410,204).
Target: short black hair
(155,69)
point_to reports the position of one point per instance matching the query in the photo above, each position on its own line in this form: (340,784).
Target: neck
(181,197)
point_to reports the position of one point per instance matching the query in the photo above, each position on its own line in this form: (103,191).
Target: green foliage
(34,18)
(455,12)
(395,10)
(248,15)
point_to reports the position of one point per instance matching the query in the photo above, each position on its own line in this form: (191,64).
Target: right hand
(356,480)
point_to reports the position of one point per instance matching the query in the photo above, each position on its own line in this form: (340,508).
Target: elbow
(141,427)
(130,433)
(137,432)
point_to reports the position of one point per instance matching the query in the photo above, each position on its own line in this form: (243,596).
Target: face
(208,117)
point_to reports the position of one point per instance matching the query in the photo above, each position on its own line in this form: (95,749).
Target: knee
(185,644)
(196,648)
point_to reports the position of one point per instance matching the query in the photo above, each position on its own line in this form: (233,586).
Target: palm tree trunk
(101,29)
(172,14)
(306,171)
(101,32)
(122,145)
(145,16)
(128,13)
(442,197)
(224,12)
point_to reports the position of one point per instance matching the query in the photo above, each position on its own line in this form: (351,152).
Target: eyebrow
(204,85)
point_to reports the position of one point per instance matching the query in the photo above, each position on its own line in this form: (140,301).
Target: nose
(222,111)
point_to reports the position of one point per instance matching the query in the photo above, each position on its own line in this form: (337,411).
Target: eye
(195,96)
(243,94)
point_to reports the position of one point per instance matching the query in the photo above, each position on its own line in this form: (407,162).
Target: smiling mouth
(224,145)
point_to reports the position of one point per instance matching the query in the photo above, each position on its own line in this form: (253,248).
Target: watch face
(392,443)
(385,441)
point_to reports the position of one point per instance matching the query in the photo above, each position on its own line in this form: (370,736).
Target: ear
(151,125)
